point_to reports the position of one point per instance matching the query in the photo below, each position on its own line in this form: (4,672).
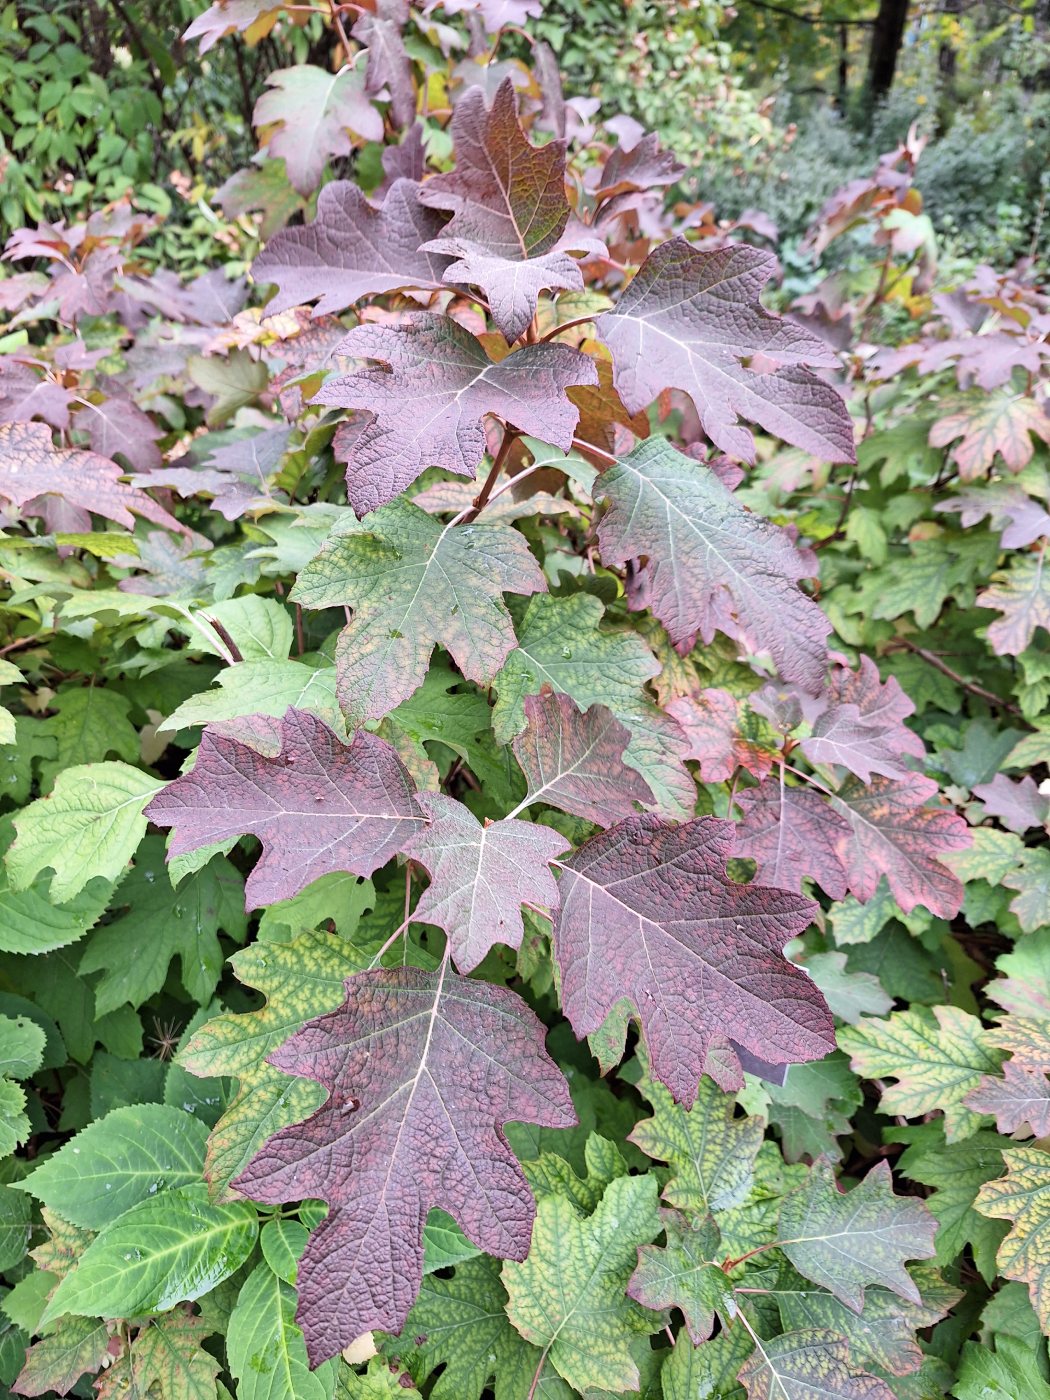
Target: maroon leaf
(429,405)
(1019,804)
(318,807)
(792,832)
(575,761)
(1021,1097)
(712,564)
(352,250)
(494,13)
(423,1069)
(690,318)
(31,466)
(644,166)
(480,875)
(649,913)
(895,834)
(711,722)
(509,210)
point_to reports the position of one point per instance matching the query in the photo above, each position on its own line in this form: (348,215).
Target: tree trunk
(886,39)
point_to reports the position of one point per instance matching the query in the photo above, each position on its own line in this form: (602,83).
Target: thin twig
(932,659)
(566,326)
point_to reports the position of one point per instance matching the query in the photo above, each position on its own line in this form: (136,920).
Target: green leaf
(413,585)
(261,687)
(1007,1373)
(936,1057)
(1032,882)
(56,1362)
(265,1348)
(31,923)
(283,1241)
(21,1047)
(172,1248)
(706,1372)
(300,980)
(711,1153)
(88,827)
(846,1241)
(883,1335)
(233,382)
(460,1323)
(682,1274)
(117,1161)
(1023,1197)
(133,952)
(813,1363)
(568,1297)
(957,1173)
(165,1360)
(15,1219)
(89,724)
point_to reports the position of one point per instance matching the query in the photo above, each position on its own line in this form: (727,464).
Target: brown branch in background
(932,659)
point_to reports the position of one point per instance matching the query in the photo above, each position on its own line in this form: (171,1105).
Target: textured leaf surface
(509,209)
(575,761)
(32,466)
(352,250)
(714,726)
(427,407)
(1022,594)
(166,1359)
(87,828)
(300,979)
(712,564)
(844,1241)
(119,1160)
(680,1274)
(318,807)
(481,875)
(689,318)
(936,1057)
(171,1248)
(895,834)
(422,1070)
(712,966)
(810,1365)
(711,1151)
(460,1324)
(413,585)
(569,1296)
(1023,1197)
(55,1363)
(1019,1101)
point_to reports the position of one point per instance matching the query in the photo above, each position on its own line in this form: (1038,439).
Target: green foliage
(564,1141)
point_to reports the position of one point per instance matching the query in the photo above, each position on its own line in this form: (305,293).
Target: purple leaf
(429,405)
(481,875)
(423,1069)
(318,807)
(649,913)
(689,320)
(712,564)
(310,114)
(575,761)
(352,250)
(509,210)
(1018,804)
